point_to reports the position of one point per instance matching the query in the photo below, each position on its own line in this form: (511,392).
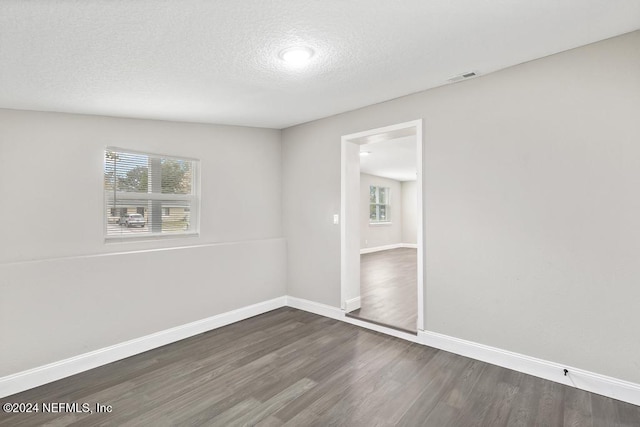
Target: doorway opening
(382,243)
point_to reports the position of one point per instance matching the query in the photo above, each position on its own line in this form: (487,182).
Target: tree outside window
(160,189)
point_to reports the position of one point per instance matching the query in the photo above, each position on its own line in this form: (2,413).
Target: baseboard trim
(578,378)
(352,304)
(387,247)
(316,308)
(379,248)
(552,371)
(41,375)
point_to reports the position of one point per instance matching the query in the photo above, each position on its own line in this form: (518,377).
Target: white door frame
(350,198)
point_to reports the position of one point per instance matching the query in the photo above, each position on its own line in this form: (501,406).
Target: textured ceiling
(395,159)
(217,61)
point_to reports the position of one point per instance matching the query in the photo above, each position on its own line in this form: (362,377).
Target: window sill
(148,237)
(379,224)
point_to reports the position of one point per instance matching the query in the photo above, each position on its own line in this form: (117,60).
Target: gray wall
(531,180)
(372,236)
(409,212)
(65,291)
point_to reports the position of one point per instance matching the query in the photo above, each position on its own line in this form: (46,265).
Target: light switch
(336,219)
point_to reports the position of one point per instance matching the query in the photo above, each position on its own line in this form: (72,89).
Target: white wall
(376,235)
(409,212)
(65,291)
(531,179)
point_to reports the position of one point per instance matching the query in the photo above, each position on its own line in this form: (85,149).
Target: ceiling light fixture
(365,153)
(296,56)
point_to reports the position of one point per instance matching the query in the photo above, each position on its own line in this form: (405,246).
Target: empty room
(345,213)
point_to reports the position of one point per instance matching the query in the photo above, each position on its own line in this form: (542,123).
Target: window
(379,204)
(152,195)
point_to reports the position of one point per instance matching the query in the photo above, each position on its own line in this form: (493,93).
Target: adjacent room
(388,226)
(319,213)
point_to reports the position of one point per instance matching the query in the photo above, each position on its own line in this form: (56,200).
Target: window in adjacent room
(379,204)
(149,194)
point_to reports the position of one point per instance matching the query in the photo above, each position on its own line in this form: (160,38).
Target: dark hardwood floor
(290,367)
(388,288)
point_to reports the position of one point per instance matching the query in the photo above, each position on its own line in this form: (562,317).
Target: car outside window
(149,195)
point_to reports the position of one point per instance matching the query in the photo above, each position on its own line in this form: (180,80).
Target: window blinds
(149,195)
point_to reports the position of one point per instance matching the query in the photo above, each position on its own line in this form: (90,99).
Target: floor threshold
(386,325)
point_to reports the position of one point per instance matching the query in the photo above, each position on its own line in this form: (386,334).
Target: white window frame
(378,221)
(193,199)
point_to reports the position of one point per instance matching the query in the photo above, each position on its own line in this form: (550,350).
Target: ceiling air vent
(463,76)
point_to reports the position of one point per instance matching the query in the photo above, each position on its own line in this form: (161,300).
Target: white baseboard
(352,304)
(380,248)
(25,380)
(387,247)
(315,308)
(578,378)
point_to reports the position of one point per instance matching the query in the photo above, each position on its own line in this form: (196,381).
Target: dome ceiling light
(297,56)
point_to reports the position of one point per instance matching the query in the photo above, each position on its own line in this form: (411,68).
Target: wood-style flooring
(290,367)
(388,288)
